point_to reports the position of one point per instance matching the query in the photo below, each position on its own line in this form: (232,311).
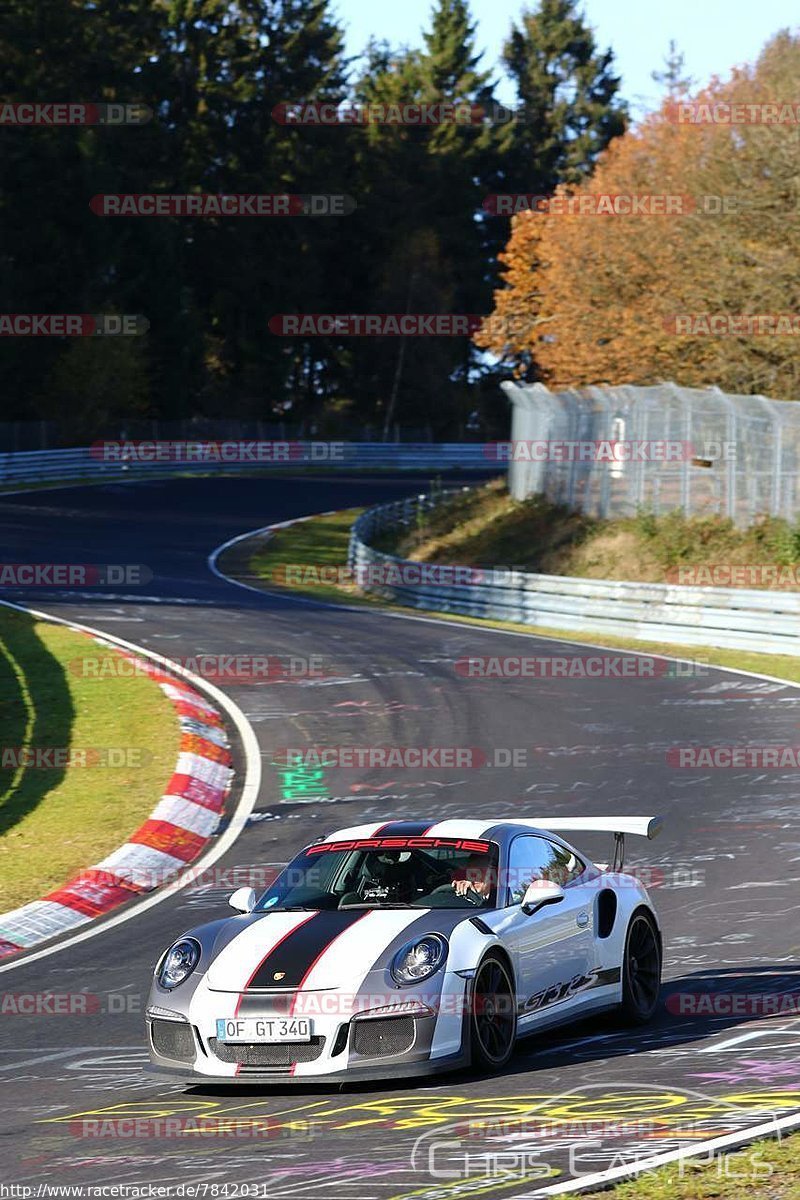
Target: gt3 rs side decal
(565,991)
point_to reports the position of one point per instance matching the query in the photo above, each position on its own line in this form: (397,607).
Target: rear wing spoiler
(648,827)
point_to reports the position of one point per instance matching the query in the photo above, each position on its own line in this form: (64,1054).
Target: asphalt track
(727,871)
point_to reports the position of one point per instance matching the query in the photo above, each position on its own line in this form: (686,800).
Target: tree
(567,91)
(672,77)
(591,299)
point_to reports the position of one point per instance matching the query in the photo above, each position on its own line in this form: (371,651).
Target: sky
(714,35)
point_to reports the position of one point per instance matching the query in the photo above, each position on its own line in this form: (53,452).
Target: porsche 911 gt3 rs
(407,948)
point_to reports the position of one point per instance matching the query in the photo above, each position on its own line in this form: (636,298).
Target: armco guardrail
(735,618)
(43,466)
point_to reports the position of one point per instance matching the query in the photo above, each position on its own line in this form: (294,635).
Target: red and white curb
(176,832)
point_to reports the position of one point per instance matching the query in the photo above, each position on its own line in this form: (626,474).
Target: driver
(478,876)
(386,877)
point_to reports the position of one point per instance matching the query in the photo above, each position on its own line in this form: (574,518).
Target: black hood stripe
(288,963)
(404,828)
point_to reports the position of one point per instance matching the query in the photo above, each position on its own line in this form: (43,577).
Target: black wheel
(641,971)
(493,1018)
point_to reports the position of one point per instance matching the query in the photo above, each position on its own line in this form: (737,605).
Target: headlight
(419,960)
(179,962)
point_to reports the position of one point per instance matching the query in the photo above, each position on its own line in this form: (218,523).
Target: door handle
(582,919)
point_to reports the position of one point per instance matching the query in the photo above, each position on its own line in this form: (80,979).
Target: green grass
(316,545)
(55,821)
(323,541)
(485,528)
(766,1170)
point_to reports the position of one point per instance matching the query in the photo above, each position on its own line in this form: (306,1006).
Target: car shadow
(37,713)
(600,1036)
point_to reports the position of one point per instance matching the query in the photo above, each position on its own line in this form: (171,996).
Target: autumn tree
(592,298)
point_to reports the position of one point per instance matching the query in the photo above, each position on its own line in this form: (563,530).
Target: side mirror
(243,900)
(539,893)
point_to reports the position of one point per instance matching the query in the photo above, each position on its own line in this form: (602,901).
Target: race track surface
(726,870)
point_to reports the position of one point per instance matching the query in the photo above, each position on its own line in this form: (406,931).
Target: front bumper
(393,1070)
(344,1046)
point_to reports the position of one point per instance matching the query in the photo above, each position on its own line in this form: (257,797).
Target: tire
(493,1015)
(641,970)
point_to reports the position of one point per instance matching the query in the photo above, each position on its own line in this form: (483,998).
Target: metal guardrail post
(694,616)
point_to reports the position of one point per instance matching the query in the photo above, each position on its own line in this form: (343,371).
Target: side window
(533,858)
(530,858)
(569,866)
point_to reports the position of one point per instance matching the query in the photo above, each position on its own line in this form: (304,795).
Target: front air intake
(383,1035)
(173,1039)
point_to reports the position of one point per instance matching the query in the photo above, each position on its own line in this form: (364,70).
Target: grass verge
(56,819)
(769,1170)
(321,543)
(485,527)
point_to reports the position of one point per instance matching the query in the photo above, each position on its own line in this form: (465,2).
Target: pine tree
(672,77)
(567,90)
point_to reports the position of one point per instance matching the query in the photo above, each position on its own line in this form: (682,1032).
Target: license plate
(263,1029)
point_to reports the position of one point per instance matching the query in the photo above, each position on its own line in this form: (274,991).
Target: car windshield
(390,872)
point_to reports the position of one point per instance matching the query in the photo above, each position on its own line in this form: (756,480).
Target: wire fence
(612,451)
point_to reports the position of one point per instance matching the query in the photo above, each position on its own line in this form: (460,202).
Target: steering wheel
(471,896)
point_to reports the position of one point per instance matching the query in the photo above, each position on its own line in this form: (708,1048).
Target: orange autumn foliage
(589,298)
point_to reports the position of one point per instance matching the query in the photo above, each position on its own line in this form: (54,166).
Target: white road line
(602,1178)
(452,621)
(247,800)
(43,1058)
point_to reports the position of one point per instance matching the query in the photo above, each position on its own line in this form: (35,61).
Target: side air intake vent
(606,912)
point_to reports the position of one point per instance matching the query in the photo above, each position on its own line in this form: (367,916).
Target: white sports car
(408,948)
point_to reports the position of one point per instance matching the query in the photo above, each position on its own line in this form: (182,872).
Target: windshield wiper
(291,908)
(377,904)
